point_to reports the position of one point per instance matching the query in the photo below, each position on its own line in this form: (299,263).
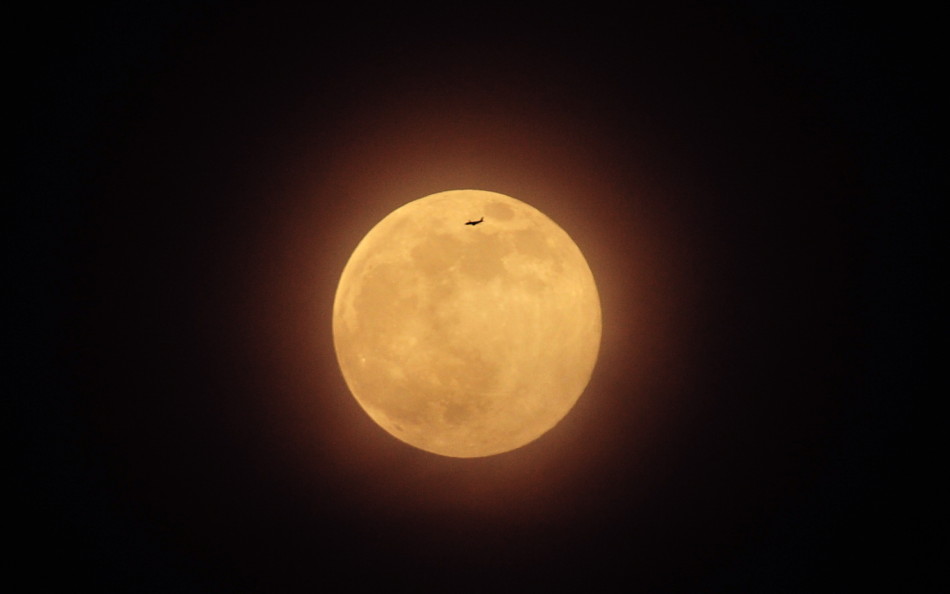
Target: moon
(467,340)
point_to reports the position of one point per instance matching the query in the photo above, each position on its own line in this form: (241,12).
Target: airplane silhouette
(473,223)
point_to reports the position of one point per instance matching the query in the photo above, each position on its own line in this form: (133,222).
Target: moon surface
(467,340)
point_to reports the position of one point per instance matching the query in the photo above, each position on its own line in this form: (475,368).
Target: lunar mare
(466,340)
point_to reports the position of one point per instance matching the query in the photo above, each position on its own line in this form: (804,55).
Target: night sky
(750,183)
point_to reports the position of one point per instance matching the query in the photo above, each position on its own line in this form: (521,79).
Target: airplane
(473,223)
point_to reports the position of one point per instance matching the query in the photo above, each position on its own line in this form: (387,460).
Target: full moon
(466,323)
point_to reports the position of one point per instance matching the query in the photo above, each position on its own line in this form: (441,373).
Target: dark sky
(750,183)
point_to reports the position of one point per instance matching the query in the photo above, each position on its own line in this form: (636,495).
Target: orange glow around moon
(385,150)
(467,340)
